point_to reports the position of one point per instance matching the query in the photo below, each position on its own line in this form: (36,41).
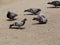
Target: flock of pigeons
(40,16)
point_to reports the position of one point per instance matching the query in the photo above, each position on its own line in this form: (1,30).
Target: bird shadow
(53,7)
(17,28)
(30,14)
(38,23)
(11,19)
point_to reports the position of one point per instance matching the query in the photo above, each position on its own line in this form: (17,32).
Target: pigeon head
(35,18)
(25,10)
(25,19)
(11,25)
(16,15)
(8,13)
(49,3)
(39,9)
(28,10)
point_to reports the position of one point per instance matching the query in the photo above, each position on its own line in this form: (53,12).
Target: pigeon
(18,24)
(41,18)
(33,10)
(11,15)
(55,3)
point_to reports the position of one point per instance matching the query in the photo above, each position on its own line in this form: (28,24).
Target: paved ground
(32,34)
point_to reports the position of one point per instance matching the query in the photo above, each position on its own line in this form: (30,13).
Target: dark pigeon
(41,19)
(11,15)
(55,3)
(19,24)
(33,10)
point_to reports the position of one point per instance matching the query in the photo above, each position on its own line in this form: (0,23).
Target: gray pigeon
(19,24)
(41,18)
(55,3)
(11,15)
(33,10)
